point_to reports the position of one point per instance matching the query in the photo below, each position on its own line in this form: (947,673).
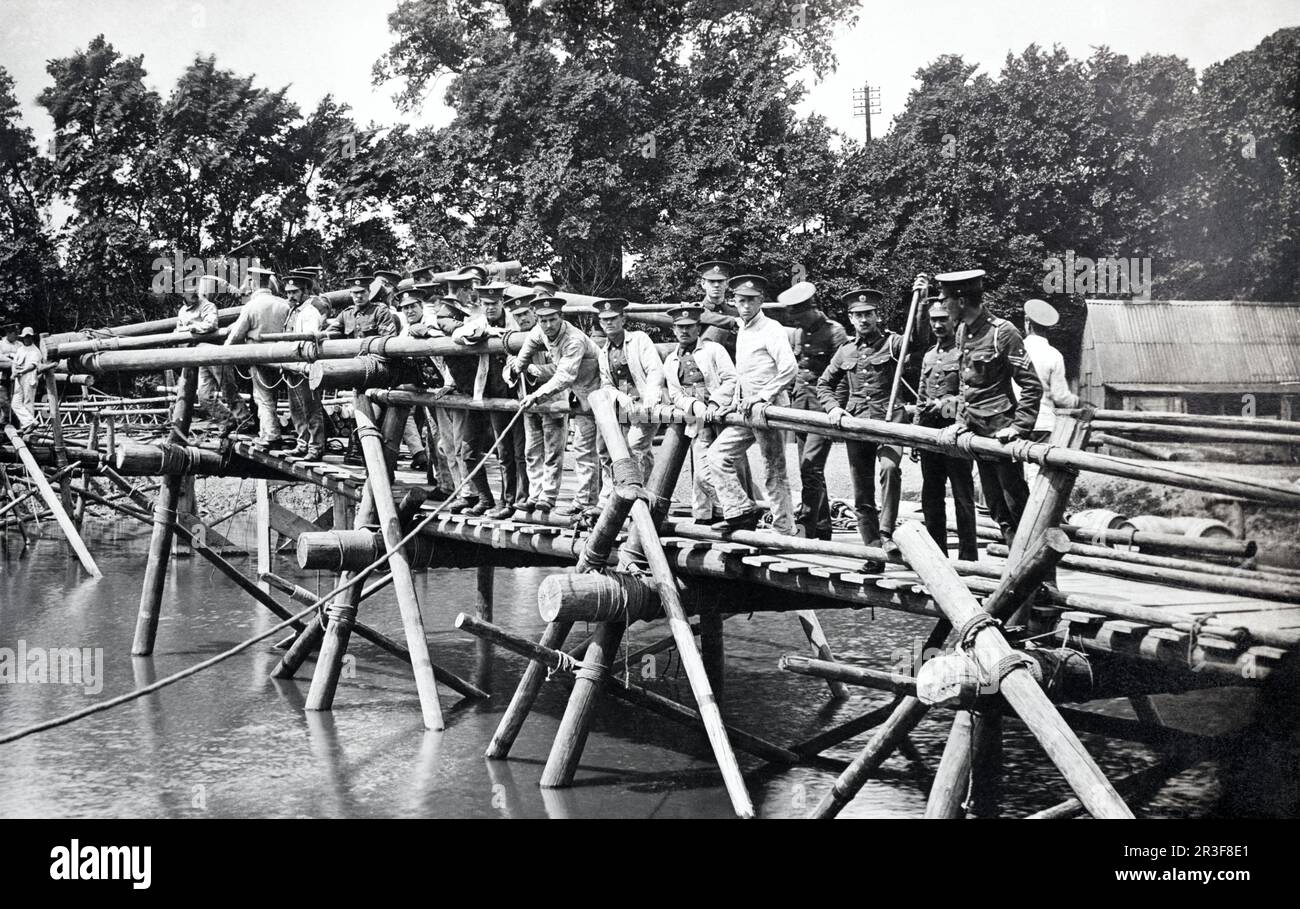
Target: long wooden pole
(902,355)
(372,447)
(990,649)
(164,509)
(53,503)
(602,406)
(952,779)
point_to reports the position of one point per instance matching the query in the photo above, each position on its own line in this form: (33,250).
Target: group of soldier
(735,352)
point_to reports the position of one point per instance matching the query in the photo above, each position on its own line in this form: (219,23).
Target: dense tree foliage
(618,141)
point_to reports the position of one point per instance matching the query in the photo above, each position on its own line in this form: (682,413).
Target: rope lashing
(627,472)
(758,414)
(972,626)
(1010,663)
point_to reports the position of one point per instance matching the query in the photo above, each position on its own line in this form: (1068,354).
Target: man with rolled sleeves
(765,370)
(544,434)
(263,313)
(631,366)
(1048,364)
(577,375)
(305,408)
(992,356)
(868,363)
(26,362)
(718,317)
(428,373)
(699,375)
(819,338)
(217,392)
(936,407)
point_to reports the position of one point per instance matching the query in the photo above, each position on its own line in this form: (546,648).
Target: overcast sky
(328,46)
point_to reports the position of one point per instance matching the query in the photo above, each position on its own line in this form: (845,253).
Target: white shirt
(765,362)
(1050,366)
(642,362)
(716,366)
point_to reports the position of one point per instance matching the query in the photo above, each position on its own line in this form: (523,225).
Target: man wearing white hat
(1049,364)
(26,361)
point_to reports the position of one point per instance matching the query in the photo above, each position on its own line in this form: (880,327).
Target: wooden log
(23,496)
(135,329)
(1209,421)
(680,527)
(1198,433)
(550,658)
(360,372)
(1167,543)
(1136,788)
(615,597)
(1022,578)
(952,779)
(262,496)
(135,459)
(136,342)
(1098,439)
(411,397)
(986,764)
(571,736)
(713,650)
(812,629)
(836,735)
(521,702)
(377,468)
(1259,572)
(56,429)
(1265,587)
(1022,692)
(52,502)
(603,409)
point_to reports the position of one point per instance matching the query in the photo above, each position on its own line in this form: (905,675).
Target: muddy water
(232,742)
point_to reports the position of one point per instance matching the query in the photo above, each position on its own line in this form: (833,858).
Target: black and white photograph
(650,409)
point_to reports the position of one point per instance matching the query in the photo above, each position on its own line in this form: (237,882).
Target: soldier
(819,338)
(765,369)
(868,363)
(304,402)
(216,392)
(577,375)
(454,425)
(939,392)
(630,364)
(544,434)
(1048,364)
(699,375)
(992,355)
(430,373)
(368,316)
(383,286)
(719,316)
(26,363)
(263,312)
(494,321)
(311,274)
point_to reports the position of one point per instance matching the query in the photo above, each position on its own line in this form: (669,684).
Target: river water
(232,742)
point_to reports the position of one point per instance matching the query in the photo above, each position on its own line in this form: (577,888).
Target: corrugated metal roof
(1194,342)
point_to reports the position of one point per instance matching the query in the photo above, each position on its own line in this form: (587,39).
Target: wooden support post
(812,629)
(996,658)
(344,511)
(571,737)
(1022,577)
(155,571)
(902,720)
(633,694)
(372,447)
(713,649)
(602,406)
(186,508)
(986,764)
(56,430)
(951,780)
(485,582)
(262,493)
(52,501)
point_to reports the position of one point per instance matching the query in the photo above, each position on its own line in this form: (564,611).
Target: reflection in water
(234,742)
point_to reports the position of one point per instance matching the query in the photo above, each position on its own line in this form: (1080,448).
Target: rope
(971,627)
(355,579)
(1193,634)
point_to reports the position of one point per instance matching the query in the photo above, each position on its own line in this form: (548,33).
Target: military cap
(302,274)
(960,282)
(547,305)
(27,332)
(862,299)
(686,314)
(470,273)
(358,282)
(521,302)
(1040,312)
(798,298)
(297,282)
(392,277)
(411,295)
(748,285)
(939,308)
(715,269)
(544,285)
(496,290)
(611,307)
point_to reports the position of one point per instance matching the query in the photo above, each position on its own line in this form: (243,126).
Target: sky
(329,46)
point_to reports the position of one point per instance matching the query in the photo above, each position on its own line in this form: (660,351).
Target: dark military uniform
(369,320)
(510,453)
(817,346)
(719,325)
(992,354)
(940,392)
(868,365)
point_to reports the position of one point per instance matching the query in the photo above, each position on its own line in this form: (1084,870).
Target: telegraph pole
(866,101)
